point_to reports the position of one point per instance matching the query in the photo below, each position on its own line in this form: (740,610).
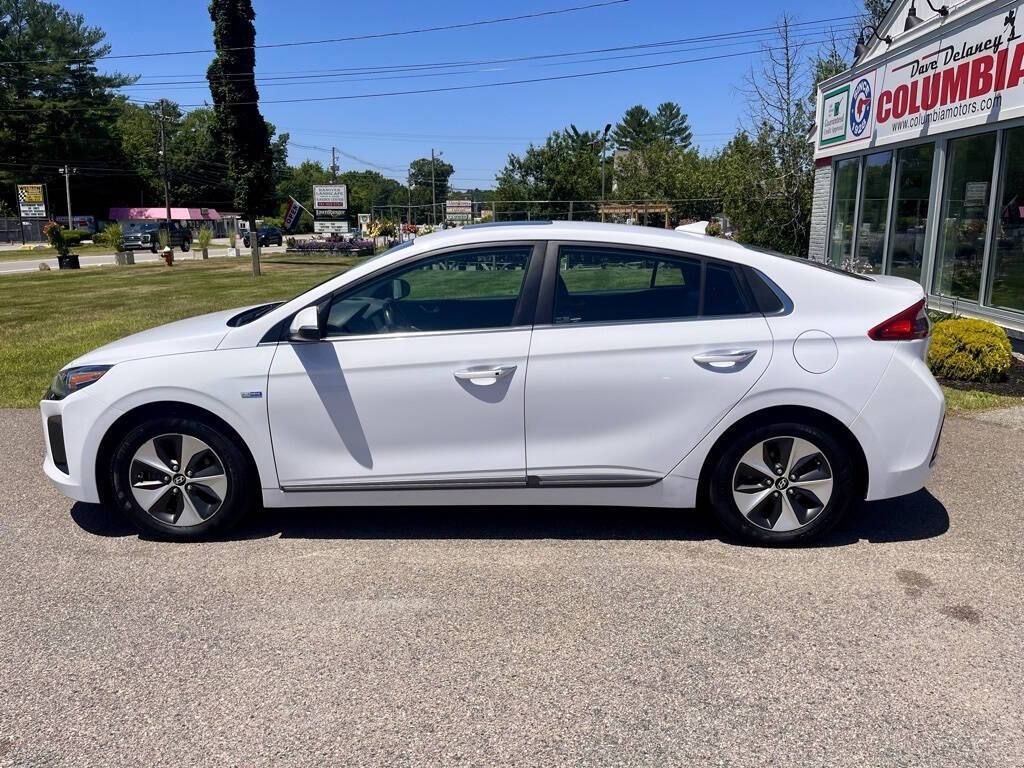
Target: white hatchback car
(535,363)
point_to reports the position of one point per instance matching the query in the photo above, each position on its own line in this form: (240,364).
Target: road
(29,264)
(517,636)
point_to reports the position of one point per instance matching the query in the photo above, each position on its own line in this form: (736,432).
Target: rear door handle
(495,373)
(725,358)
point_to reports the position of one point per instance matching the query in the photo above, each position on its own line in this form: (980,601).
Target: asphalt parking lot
(518,636)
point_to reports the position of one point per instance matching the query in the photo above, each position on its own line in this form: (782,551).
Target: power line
(311,80)
(351,38)
(755,34)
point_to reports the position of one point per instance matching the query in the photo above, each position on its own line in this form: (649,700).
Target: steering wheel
(394,318)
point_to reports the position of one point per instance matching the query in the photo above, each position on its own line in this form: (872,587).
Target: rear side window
(616,285)
(619,285)
(722,293)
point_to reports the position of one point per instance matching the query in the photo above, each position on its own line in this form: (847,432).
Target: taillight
(911,323)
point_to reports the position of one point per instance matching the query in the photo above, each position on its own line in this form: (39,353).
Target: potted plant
(55,235)
(233,243)
(114,237)
(203,240)
(164,237)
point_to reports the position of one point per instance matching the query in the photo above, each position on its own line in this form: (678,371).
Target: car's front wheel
(245,241)
(783,483)
(185,245)
(180,478)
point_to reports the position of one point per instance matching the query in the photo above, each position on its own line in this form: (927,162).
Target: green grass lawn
(49,318)
(959,401)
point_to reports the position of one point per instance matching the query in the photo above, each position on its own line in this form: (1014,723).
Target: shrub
(113,236)
(964,349)
(204,237)
(55,235)
(163,237)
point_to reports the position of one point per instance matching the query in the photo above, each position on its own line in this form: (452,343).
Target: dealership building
(919,156)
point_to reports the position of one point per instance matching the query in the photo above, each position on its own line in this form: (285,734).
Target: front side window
(464,290)
(597,284)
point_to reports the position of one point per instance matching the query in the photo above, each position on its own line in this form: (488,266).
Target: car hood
(196,334)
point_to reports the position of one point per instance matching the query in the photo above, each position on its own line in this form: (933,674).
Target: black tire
(723,504)
(185,245)
(245,241)
(241,479)
(152,249)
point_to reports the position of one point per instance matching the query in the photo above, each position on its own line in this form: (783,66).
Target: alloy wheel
(782,483)
(178,479)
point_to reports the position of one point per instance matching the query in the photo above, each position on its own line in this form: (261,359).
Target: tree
(56,106)
(670,124)
(421,181)
(240,128)
(635,129)
(566,167)
(770,197)
(875,11)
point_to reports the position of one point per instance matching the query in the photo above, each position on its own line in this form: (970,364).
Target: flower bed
(346,247)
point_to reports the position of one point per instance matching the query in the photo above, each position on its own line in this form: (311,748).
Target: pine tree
(670,124)
(240,128)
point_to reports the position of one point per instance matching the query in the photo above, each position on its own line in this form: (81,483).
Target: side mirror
(400,288)
(305,326)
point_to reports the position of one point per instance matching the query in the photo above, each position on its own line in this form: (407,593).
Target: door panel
(390,409)
(614,400)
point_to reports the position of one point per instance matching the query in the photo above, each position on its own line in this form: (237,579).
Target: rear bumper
(899,428)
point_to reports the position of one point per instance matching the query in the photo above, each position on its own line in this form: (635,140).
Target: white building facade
(919,154)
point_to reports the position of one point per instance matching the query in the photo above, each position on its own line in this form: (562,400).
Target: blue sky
(475,129)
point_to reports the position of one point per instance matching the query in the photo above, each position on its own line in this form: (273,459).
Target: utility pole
(433,191)
(604,143)
(334,165)
(163,156)
(66,173)
(408,189)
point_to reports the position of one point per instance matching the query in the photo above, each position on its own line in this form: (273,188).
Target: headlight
(73,379)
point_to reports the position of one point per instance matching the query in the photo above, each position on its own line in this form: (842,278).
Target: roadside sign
(331,227)
(364,220)
(31,201)
(458,210)
(330,198)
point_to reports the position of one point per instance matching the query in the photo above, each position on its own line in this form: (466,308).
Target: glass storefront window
(964,219)
(910,215)
(1006,270)
(874,206)
(844,204)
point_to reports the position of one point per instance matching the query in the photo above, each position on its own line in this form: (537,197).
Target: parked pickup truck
(146,235)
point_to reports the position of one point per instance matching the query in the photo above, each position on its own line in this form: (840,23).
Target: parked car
(145,236)
(268,236)
(540,363)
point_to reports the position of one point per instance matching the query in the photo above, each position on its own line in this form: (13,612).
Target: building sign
(31,202)
(834,116)
(964,78)
(458,210)
(329,198)
(331,227)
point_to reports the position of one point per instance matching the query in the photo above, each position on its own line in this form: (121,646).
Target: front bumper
(73,428)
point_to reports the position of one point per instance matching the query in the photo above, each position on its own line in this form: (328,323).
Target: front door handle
(725,358)
(493,374)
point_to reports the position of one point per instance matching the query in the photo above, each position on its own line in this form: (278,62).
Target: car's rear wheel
(782,484)
(185,245)
(245,241)
(180,478)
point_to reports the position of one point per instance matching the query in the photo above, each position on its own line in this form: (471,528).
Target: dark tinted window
(457,291)
(616,285)
(722,293)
